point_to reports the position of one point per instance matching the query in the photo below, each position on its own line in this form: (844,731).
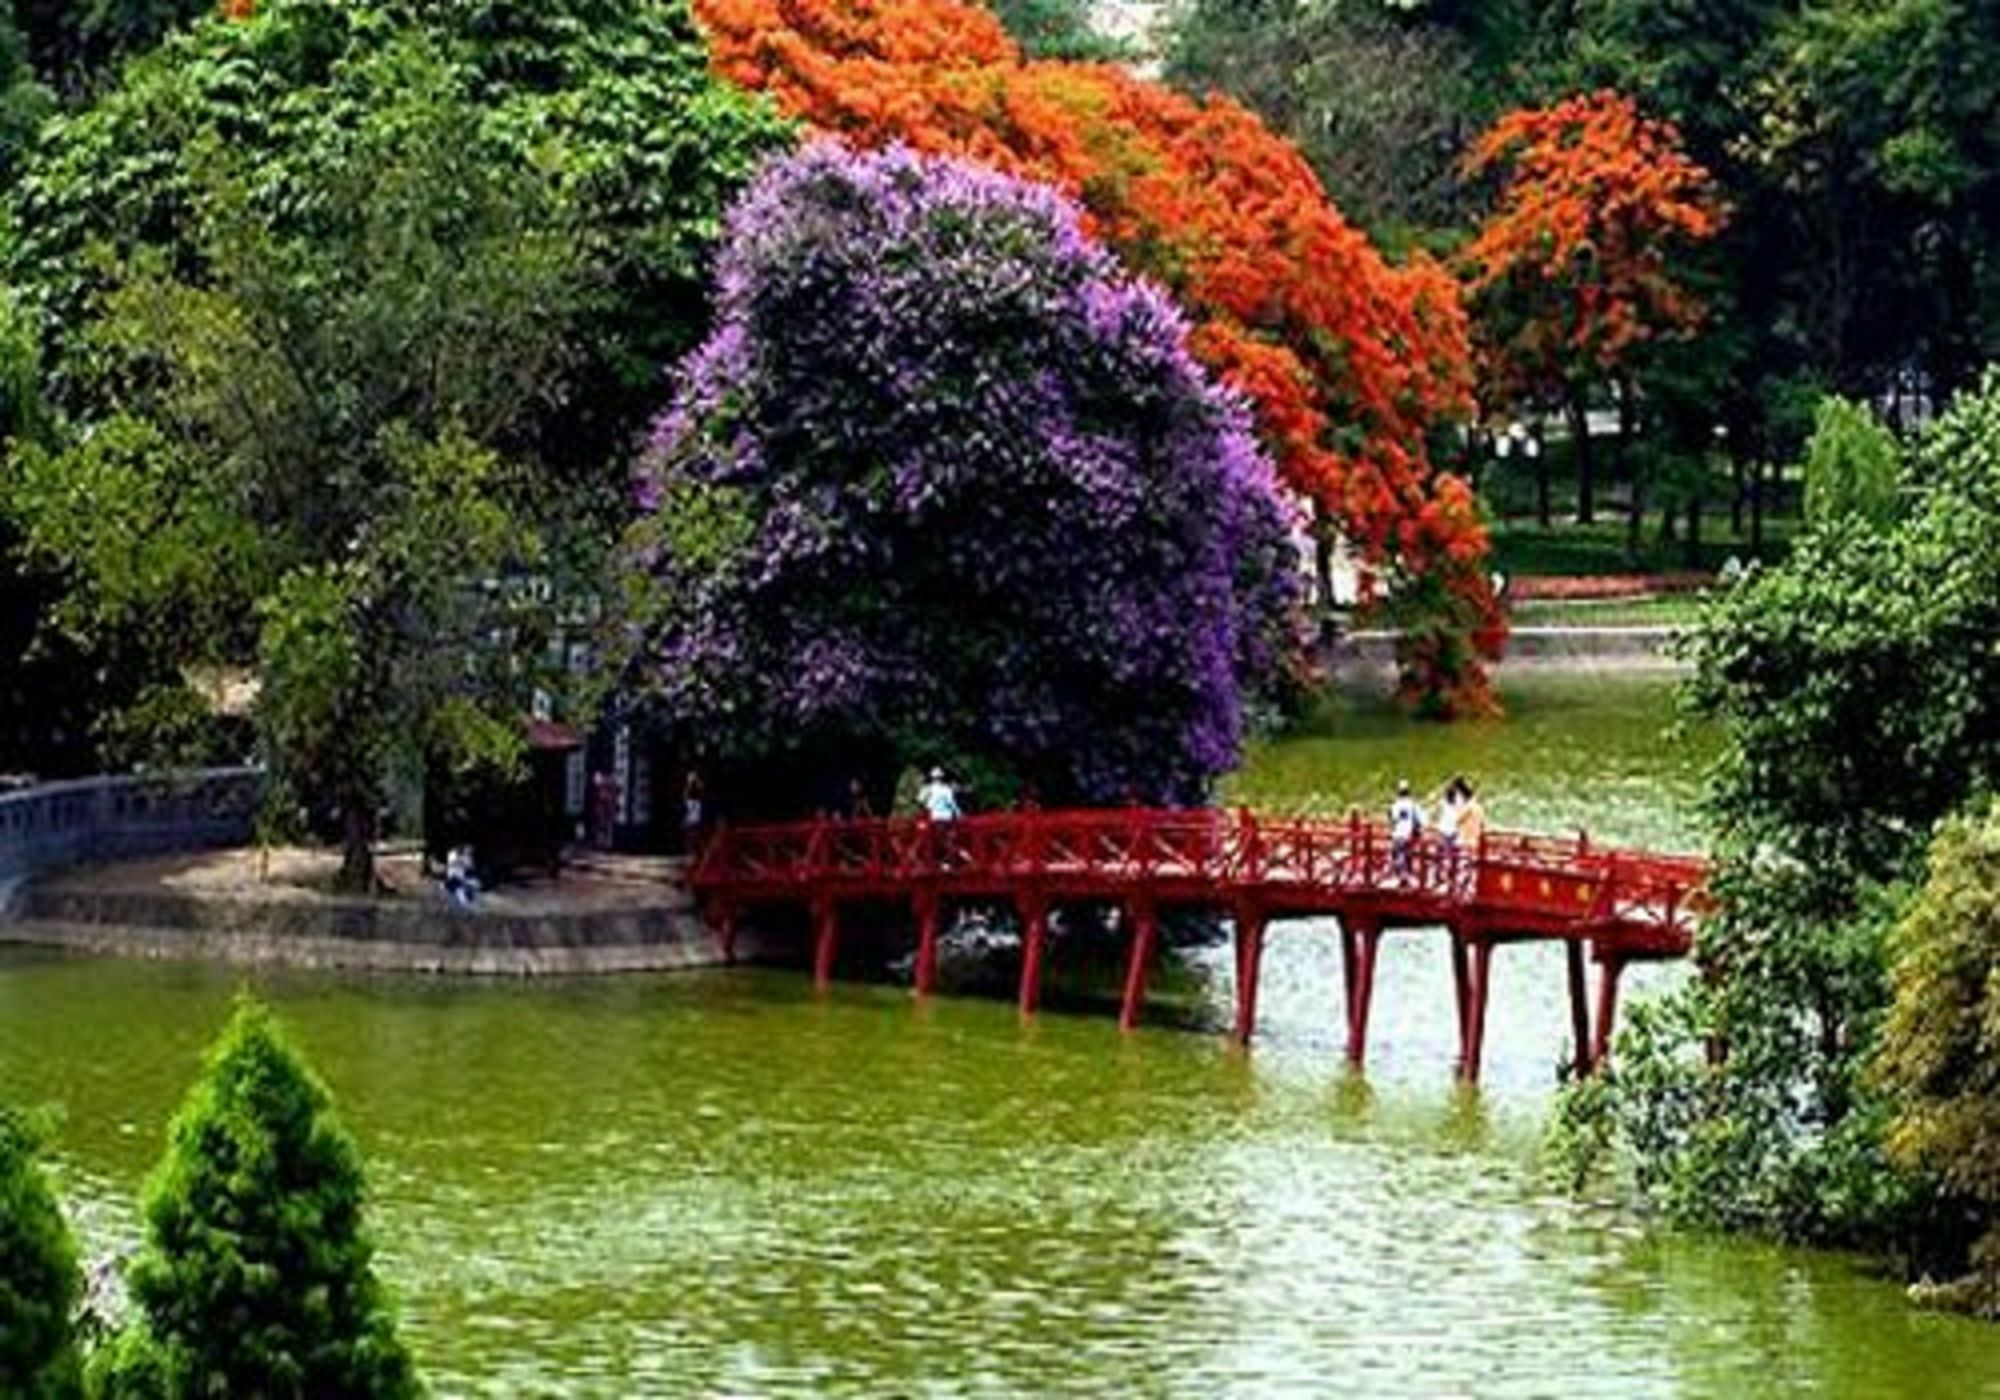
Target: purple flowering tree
(945,483)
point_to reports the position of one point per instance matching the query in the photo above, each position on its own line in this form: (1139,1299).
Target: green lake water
(715,1183)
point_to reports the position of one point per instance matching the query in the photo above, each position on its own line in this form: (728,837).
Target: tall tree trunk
(1322,535)
(1578,413)
(1628,422)
(1540,448)
(1756,505)
(1694,531)
(357,830)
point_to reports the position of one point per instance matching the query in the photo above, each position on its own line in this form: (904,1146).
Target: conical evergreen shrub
(257,1275)
(39,1280)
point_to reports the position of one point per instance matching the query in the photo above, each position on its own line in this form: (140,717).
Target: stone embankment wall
(58,825)
(102,865)
(658,929)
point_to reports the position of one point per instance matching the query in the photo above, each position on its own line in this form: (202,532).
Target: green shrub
(1851,466)
(1939,1061)
(257,1275)
(1857,690)
(39,1282)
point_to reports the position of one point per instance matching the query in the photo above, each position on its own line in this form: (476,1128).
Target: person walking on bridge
(1471,819)
(1406,825)
(938,798)
(1463,823)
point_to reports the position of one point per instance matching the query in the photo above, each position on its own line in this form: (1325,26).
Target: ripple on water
(715,1184)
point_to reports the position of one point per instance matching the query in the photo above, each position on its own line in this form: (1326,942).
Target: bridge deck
(1618,905)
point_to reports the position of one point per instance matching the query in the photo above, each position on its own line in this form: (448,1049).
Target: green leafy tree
(1379,99)
(1851,465)
(1858,691)
(24,102)
(39,1280)
(257,1275)
(609,102)
(1871,123)
(1058,29)
(306,476)
(1939,1063)
(75,44)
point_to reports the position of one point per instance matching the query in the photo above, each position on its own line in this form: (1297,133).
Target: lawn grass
(1661,610)
(1522,548)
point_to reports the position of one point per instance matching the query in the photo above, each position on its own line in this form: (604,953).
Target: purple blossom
(994,505)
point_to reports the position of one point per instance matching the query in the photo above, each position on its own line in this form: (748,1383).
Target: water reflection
(721,1184)
(718,1183)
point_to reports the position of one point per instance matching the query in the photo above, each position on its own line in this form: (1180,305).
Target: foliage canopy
(1354,367)
(338,516)
(974,497)
(1858,689)
(1851,465)
(610,104)
(1939,1061)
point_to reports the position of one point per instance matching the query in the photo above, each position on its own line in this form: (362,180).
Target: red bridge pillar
(725,931)
(826,939)
(1034,912)
(1479,985)
(1145,920)
(1250,925)
(1613,965)
(1579,1010)
(927,941)
(1461,986)
(1359,940)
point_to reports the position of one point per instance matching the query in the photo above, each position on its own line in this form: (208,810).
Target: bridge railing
(1211,851)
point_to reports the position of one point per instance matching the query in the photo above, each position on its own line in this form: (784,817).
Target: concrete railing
(91,819)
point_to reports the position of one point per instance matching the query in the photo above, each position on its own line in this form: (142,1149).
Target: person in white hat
(938,798)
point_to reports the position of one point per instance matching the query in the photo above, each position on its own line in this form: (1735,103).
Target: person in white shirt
(461,883)
(1406,824)
(938,798)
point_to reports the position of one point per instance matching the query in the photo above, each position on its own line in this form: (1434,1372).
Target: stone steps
(685,946)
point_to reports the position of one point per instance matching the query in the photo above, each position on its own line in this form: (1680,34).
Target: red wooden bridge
(1609,906)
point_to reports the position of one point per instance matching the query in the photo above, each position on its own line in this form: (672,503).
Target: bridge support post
(1612,966)
(1579,1010)
(1145,921)
(1350,966)
(925,978)
(1034,912)
(826,939)
(1250,926)
(1473,1047)
(1361,942)
(1461,987)
(725,931)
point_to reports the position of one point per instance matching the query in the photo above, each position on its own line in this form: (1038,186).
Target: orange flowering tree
(1353,367)
(1586,259)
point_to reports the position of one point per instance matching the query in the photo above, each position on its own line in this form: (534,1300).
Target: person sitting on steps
(461,884)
